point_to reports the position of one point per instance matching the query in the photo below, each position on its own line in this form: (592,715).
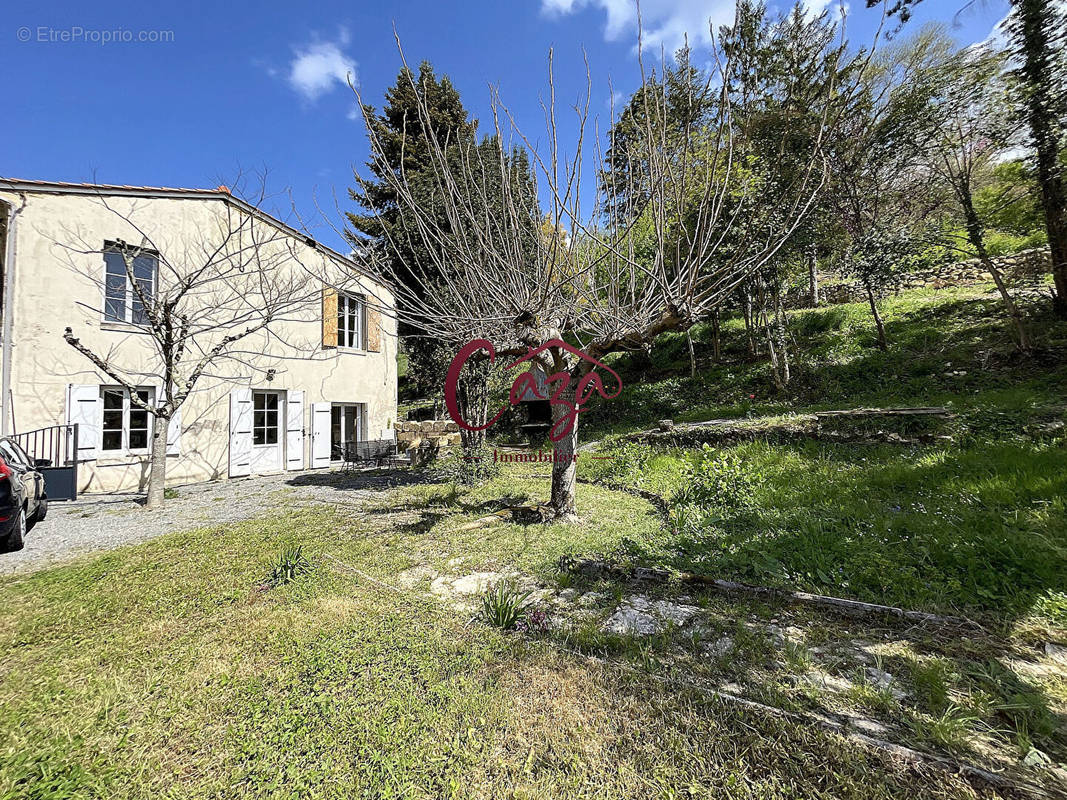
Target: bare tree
(613,282)
(220,291)
(974,126)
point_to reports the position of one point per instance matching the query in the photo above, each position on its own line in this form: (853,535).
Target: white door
(267,436)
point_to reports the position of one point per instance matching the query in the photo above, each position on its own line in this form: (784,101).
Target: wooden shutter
(374,329)
(83,409)
(174,434)
(294,429)
(329,317)
(240,432)
(320,435)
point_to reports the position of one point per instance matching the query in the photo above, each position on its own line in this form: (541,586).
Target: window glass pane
(335,433)
(259,418)
(112,440)
(258,436)
(272,401)
(138,419)
(259,400)
(144,271)
(113,398)
(138,439)
(114,287)
(10,456)
(272,435)
(22,454)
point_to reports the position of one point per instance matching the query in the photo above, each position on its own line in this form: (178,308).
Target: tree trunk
(157,472)
(692,355)
(977,239)
(746,308)
(1039,59)
(783,349)
(882,342)
(472,396)
(813,278)
(564,467)
(715,346)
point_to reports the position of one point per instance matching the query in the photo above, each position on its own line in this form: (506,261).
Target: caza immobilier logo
(559,384)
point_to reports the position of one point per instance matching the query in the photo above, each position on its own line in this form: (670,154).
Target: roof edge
(221,193)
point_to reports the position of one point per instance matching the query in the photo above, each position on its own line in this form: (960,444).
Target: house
(289,397)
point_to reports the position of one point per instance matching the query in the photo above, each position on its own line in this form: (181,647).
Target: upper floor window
(351,310)
(122,300)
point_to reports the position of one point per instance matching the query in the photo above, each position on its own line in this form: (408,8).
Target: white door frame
(360,409)
(269,456)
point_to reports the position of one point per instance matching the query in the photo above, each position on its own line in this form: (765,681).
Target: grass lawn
(164,670)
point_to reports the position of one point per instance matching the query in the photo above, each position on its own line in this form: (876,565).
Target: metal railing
(58,444)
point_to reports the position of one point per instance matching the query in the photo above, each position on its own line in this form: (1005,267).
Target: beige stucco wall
(55,286)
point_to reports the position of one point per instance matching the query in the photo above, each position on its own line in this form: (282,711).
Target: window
(125,427)
(264,418)
(346,428)
(350,311)
(121,302)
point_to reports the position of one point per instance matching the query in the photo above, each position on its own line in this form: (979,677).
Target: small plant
(952,730)
(504,606)
(466,467)
(170,494)
(291,564)
(797,655)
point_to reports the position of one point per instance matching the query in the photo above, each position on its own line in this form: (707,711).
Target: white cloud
(317,67)
(816,7)
(665,22)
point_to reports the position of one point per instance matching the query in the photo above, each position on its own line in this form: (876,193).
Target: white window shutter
(174,434)
(320,435)
(294,430)
(240,432)
(83,410)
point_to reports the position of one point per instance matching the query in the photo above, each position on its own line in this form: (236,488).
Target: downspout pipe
(8,312)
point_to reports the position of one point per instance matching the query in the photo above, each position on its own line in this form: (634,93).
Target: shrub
(628,463)
(290,565)
(504,605)
(721,483)
(466,467)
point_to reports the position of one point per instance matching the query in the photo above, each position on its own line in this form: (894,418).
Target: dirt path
(103,522)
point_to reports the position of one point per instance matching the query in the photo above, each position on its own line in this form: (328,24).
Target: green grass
(977,523)
(982,528)
(166,670)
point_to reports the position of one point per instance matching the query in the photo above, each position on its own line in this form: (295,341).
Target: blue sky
(261,85)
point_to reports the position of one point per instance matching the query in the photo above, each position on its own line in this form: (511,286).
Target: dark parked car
(22,497)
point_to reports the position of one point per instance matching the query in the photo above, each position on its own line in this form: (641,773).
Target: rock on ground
(639,616)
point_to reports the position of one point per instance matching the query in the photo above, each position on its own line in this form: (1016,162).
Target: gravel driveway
(102,522)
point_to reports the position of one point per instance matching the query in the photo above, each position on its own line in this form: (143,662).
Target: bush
(290,565)
(466,467)
(628,464)
(719,483)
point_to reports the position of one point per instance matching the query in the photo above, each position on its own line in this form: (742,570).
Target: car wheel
(16,538)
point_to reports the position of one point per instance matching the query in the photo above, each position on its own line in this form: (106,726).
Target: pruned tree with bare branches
(611,282)
(222,289)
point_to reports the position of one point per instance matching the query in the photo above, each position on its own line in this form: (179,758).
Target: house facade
(288,397)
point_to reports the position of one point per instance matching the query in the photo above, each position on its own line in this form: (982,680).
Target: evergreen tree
(1038,30)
